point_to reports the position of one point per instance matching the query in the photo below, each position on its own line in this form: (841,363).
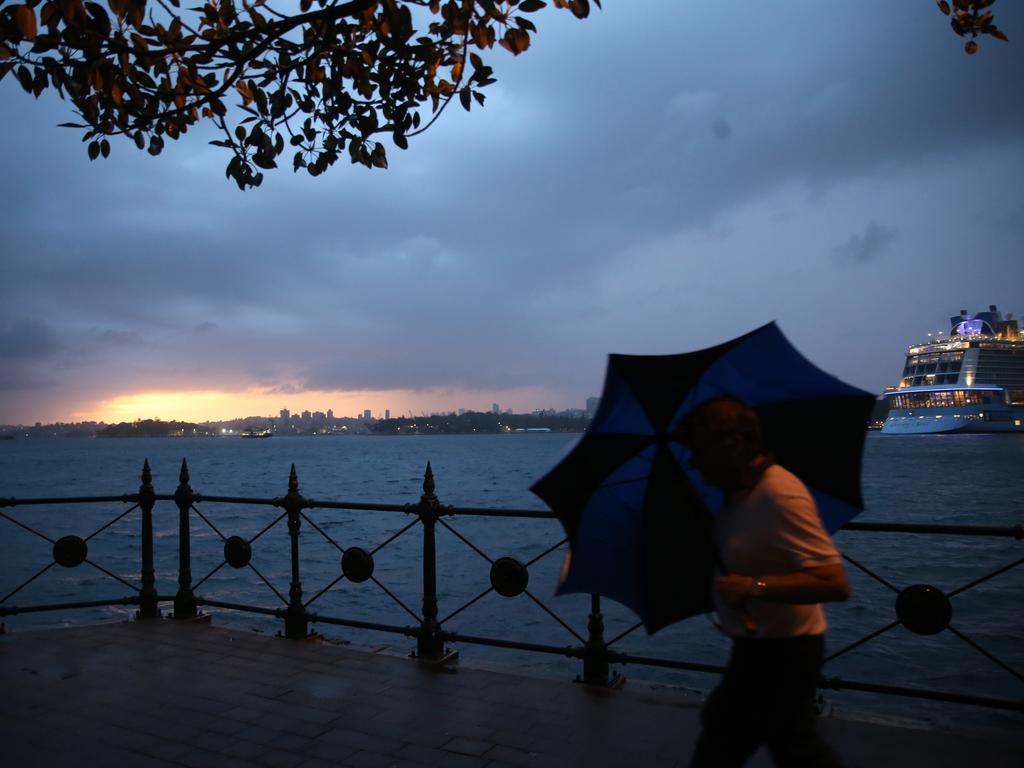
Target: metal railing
(922,609)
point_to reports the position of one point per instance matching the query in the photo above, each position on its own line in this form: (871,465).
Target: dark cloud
(861,248)
(120,338)
(27,339)
(656,199)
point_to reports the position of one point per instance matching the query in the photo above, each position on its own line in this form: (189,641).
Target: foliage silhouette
(328,79)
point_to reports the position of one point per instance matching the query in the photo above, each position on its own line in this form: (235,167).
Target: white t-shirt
(774,529)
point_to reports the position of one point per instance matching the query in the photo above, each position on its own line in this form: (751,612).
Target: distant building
(367,416)
(495,408)
(387,413)
(592,403)
(330,414)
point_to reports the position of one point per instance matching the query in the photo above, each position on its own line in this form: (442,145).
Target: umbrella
(640,523)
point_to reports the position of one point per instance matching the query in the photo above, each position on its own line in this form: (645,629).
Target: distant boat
(971,380)
(249,432)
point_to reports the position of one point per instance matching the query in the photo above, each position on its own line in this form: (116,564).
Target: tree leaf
(531,6)
(25,78)
(971,47)
(25,21)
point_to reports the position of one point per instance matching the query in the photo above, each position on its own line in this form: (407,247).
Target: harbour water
(960,479)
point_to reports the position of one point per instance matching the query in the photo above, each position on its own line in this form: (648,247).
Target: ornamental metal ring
(357,565)
(237,552)
(924,609)
(70,551)
(509,577)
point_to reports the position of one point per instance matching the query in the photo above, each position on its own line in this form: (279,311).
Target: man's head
(724,437)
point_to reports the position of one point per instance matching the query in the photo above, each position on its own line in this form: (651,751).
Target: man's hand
(818,584)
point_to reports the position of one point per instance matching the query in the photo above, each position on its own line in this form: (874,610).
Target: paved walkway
(165,694)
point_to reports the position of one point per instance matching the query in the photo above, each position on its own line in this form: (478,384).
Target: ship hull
(935,421)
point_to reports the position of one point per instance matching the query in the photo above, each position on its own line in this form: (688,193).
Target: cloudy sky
(658,178)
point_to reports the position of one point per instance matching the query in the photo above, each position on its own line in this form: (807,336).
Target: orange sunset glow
(218,405)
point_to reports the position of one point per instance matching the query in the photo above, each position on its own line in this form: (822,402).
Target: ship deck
(166,693)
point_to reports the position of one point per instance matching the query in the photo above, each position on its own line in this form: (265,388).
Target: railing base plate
(445,663)
(199,618)
(613,683)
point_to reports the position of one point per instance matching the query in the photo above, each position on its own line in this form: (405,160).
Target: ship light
(938,416)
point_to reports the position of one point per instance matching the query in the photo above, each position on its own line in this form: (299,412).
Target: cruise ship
(971,380)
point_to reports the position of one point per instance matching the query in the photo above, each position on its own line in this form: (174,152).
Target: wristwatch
(758,586)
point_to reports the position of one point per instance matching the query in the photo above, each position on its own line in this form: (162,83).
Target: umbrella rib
(978,581)
(622,482)
(869,572)
(863,640)
(985,653)
(555,616)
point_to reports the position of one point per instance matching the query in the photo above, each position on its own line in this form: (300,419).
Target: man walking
(780,565)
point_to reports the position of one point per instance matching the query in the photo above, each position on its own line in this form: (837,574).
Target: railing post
(595,657)
(295,623)
(184,600)
(148,608)
(429,644)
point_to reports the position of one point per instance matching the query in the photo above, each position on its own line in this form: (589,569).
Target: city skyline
(656,179)
(287,415)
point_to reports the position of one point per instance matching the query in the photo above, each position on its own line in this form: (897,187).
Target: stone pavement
(161,693)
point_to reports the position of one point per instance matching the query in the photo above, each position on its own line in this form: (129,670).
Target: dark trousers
(766,696)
